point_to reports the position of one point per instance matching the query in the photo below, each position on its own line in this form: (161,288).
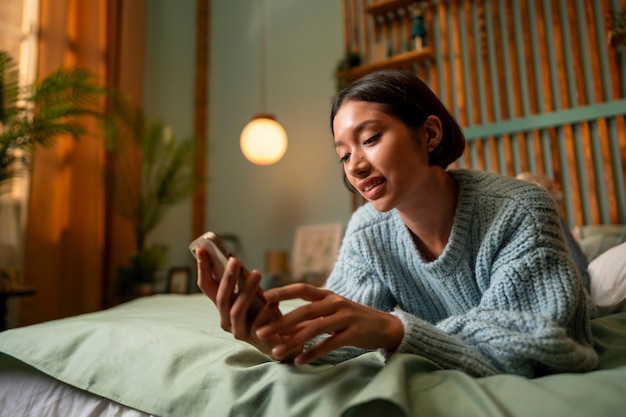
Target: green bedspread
(166,355)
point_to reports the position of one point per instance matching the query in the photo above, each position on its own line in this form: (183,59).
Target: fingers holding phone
(235,292)
(235,299)
(207,283)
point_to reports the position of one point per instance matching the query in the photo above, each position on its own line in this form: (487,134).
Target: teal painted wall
(261,204)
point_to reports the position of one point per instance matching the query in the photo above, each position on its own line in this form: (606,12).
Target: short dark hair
(403,95)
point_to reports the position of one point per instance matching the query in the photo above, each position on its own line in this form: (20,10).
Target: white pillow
(608,277)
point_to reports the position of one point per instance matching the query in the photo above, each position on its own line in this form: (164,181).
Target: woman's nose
(358,167)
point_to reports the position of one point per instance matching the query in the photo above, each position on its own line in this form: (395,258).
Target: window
(19,22)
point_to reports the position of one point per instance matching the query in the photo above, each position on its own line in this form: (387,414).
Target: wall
(262,205)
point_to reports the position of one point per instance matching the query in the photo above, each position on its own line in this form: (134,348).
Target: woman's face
(383,159)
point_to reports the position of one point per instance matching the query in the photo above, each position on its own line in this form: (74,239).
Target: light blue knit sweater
(504,297)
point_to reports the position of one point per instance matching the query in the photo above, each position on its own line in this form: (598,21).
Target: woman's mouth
(371,188)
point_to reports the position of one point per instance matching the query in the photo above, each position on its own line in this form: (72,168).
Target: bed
(166,356)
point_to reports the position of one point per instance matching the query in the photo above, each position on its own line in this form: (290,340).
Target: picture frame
(179,280)
(315,251)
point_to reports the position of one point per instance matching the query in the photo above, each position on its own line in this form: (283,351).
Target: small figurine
(418,30)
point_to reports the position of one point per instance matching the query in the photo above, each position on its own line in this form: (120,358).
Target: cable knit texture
(503,297)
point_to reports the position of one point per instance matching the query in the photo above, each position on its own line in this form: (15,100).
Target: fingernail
(263,332)
(279,350)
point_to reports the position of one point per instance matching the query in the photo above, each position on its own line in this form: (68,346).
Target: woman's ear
(432,126)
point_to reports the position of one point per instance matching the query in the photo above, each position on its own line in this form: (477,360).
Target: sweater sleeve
(533,314)
(509,332)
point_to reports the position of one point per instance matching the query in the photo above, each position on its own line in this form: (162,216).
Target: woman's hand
(233,305)
(347,323)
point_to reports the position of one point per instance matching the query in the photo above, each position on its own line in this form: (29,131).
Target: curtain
(73,234)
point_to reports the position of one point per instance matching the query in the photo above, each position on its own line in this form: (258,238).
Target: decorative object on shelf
(263,141)
(418,30)
(389,34)
(179,280)
(617,31)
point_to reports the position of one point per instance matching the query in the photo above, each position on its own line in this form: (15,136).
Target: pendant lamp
(263,141)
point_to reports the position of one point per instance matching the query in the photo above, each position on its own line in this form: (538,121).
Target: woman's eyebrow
(359,128)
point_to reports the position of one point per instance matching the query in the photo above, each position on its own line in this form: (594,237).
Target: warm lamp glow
(263,141)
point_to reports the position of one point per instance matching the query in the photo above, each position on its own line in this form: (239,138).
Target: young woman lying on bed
(468,269)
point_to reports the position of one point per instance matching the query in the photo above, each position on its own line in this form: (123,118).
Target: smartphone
(219,253)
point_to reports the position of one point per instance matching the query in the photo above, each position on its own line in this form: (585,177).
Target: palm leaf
(37,114)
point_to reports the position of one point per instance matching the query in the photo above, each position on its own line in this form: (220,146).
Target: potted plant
(158,178)
(349,61)
(617,24)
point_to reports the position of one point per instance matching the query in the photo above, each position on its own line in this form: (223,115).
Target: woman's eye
(371,139)
(344,158)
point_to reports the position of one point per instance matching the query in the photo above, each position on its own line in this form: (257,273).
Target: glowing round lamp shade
(263,141)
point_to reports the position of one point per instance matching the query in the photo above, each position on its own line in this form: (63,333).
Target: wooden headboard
(535,85)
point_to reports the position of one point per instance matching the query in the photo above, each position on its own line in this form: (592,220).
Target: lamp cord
(262,74)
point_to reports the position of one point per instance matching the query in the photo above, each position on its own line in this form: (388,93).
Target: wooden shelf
(386,6)
(394,61)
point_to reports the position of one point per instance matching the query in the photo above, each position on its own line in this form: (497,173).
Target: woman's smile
(370,188)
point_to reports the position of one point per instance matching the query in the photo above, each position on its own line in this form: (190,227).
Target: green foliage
(36,114)
(617,26)
(349,61)
(142,267)
(164,170)
(617,20)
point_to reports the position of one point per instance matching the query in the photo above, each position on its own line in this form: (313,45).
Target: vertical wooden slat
(509,106)
(521,141)
(553,43)
(579,161)
(466,80)
(492,57)
(354,27)
(395,24)
(542,86)
(568,98)
(567,66)
(366,31)
(451,78)
(586,133)
(618,170)
(506,60)
(406,29)
(538,104)
(479,79)
(200,117)
(440,48)
(346,26)
(480,64)
(617,153)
